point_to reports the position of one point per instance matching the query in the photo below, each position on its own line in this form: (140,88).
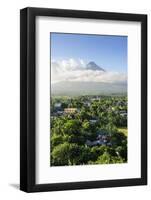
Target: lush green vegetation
(123,130)
(93,131)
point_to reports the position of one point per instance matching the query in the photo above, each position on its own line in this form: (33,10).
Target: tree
(106,158)
(118,138)
(86,125)
(122,150)
(60,155)
(77,139)
(97,151)
(72,126)
(56,140)
(86,155)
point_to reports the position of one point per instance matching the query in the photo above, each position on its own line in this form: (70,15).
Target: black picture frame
(28,98)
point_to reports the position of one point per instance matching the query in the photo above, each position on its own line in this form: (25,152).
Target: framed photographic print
(83,96)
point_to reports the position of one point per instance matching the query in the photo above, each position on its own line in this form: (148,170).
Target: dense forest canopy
(88,130)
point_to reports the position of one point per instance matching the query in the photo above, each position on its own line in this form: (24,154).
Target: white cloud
(75,70)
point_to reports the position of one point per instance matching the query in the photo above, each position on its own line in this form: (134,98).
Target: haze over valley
(71,77)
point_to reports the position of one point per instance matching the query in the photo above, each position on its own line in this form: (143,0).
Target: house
(60,112)
(87,103)
(95,98)
(70,110)
(123,113)
(119,103)
(103,138)
(57,105)
(57,109)
(95,143)
(93,120)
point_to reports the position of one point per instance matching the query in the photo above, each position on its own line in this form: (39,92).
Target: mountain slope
(93,66)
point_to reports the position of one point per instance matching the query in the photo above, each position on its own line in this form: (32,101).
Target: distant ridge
(87,88)
(93,66)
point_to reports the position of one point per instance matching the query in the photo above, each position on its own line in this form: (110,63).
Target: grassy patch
(123,130)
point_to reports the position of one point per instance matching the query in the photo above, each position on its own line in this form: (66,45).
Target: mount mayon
(93,66)
(75,88)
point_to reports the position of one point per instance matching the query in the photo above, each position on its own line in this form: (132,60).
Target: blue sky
(109,52)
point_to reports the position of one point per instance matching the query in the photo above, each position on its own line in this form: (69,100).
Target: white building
(57,105)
